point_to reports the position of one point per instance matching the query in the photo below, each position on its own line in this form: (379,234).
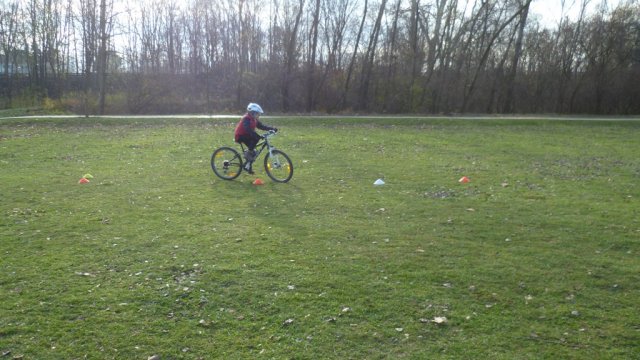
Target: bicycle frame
(227,163)
(264,143)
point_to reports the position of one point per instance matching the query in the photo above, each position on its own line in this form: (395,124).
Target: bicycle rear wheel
(278,166)
(226,162)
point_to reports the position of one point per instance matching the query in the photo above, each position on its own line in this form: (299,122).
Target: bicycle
(227,163)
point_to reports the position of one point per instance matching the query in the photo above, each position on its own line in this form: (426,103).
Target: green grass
(536,257)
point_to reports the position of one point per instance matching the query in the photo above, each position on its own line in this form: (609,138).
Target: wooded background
(318,56)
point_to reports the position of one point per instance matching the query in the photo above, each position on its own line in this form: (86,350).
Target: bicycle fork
(270,148)
(274,160)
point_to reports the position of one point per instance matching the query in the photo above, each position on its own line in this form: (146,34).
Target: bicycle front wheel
(226,162)
(278,166)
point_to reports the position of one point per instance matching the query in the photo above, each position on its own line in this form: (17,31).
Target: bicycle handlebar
(269,133)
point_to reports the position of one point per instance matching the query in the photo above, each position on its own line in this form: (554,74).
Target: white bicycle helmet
(253,107)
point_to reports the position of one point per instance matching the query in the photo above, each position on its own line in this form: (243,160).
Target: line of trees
(382,56)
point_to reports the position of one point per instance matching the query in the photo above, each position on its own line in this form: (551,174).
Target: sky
(550,11)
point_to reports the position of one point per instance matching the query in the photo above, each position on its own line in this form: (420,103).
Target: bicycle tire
(278,166)
(226,163)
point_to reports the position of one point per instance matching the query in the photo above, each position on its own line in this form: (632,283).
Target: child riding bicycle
(245,132)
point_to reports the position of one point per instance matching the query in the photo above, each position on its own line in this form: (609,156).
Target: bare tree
(509,105)
(367,67)
(568,42)
(291,54)
(106,9)
(9,45)
(415,48)
(88,25)
(311,64)
(337,15)
(443,49)
(487,51)
(391,55)
(35,30)
(408,55)
(353,56)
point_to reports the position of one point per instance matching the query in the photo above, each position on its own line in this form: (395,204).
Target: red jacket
(248,125)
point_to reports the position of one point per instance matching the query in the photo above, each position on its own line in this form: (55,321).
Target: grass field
(535,258)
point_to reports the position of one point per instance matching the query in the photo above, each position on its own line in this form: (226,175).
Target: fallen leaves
(80,273)
(438,320)
(343,312)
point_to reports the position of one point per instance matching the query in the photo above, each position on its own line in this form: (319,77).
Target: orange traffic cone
(83,181)
(258,182)
(464,180)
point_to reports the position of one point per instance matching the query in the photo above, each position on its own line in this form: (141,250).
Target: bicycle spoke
(278,166)
(226,163)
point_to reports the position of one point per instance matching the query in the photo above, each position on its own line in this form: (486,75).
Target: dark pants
(250,140)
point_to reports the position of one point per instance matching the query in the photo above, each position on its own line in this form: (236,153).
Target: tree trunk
(368,60)
(312,61)
(290,58)
(391,66)
(353,57)
(102,57)
(509,104)
(485,55)
(413,44)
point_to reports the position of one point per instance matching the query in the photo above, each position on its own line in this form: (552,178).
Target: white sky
(550,12)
